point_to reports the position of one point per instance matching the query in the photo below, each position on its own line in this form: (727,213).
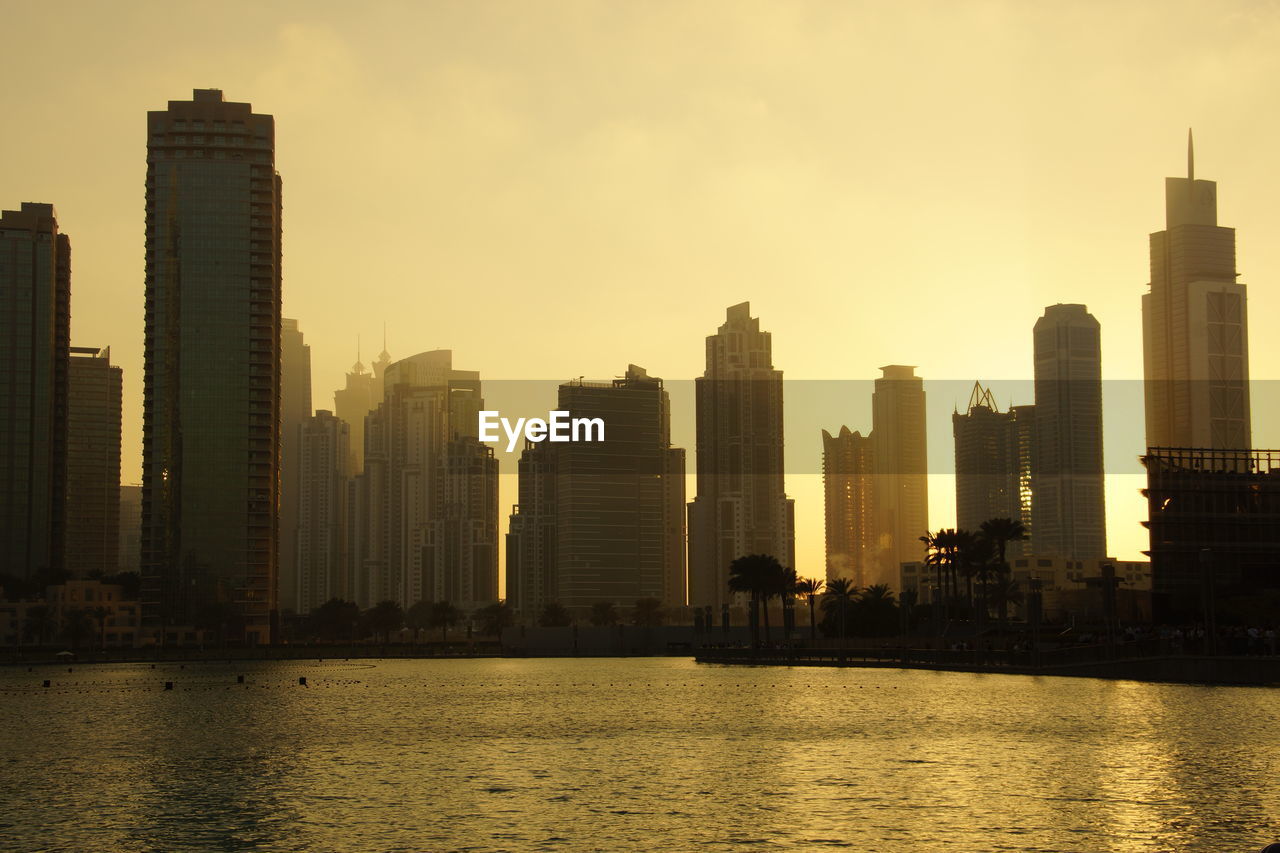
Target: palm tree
(879,608)
(647,613)
(41,623)
(757,574)
(76,624)
(494,618)
(840,592)
(444,616)
(102,613)
(385,617)
(603,614)
(1004,591)
(554,615)
(1000,532)
(418,618)
(809,588)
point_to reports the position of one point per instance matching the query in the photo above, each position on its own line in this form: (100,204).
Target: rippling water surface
(627,754)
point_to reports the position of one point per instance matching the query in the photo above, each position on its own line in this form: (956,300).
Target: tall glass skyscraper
(211,441)
(1068,508)
(35,336)
(741,506)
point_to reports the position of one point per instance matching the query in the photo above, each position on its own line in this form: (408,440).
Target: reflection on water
(627,754)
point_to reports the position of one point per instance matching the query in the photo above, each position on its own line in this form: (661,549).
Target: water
(627,754)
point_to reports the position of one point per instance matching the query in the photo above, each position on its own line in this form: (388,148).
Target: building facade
(295,410)
(848,482)
(741,506)
(1214,522)
(1068,514)
(993,463)
(324,459)
(35,337)
(901,464)
(1195,325)
(425,508)
(93,463)
(211,434)
(604,520)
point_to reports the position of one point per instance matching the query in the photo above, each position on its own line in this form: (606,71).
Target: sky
(558,189)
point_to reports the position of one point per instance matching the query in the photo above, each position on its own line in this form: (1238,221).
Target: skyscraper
(1068,511)
(901,466)
(425,523)
(361,396)
(295,409)
(993,470)
(35,335)
(211,442)
(741,505)
(848,479)
(323,471)
(93,462)
(1195,325)
(609,524)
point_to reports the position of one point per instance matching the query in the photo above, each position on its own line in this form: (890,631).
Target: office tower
(1195,325)
(323,472)
(741,505)
(130,528)
(35,334)
(426,506)
(604,520)
(1215,532)
(993,463)
(1068,511)
(848,479)
(361,396)
(211,436)
(295,409)
(901,466)
(93,463)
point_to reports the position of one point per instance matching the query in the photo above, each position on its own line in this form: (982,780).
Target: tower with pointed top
(1195,325)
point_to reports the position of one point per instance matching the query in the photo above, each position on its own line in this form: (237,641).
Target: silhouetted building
(848,480)
(93,463)
(1195,325)
(362,394)
(741,506)
(35,334)
(426,506)
(605,519)
(901,465)
(993,463)
(295,409)
(1068,508)
(324,461)
(211,436)
(1214,522)
(130,528)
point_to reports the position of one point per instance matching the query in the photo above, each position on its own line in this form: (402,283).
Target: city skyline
(1035,265)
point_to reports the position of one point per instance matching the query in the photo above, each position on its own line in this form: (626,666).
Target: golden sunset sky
(555,189)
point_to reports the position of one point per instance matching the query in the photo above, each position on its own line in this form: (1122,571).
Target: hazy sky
(555,189)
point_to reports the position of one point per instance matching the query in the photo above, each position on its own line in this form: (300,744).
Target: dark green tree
(384,619)
(604,614)
(418,618)
(494,618)
(647,613)
(444,616)
(809,588)
(554,615)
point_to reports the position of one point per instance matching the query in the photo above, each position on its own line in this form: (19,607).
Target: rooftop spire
(1191,157)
